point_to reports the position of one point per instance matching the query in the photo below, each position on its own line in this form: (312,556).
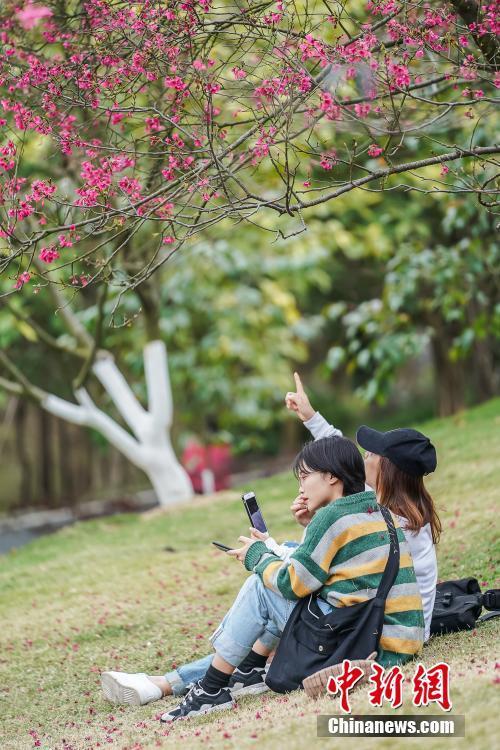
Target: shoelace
(194,690)
(189,697)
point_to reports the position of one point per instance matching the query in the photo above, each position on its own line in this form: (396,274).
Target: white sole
(210,710)
(249,690)
(117,693)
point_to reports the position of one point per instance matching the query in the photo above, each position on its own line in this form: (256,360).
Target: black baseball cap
(408,449)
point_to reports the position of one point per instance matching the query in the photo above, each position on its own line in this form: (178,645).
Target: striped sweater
(342,557)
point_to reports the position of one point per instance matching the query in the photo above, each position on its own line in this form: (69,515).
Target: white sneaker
(136,689)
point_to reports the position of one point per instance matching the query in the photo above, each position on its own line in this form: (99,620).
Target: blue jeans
(180,678)
(256,614)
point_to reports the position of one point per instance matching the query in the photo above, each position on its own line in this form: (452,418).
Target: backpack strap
(489,615)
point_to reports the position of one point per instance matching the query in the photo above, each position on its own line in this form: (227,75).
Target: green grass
(143,593)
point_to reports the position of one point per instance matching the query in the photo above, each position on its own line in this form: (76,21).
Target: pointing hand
(298,401)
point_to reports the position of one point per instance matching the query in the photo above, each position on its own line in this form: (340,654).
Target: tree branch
(470,13)
(42,333)
(24,386)
(70,319)
(459,153)
(11,387)
(96,341)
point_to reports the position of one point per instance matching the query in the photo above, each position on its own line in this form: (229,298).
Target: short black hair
(338,456)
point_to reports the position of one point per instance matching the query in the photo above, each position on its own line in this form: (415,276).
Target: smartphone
(254,512)
(222,547)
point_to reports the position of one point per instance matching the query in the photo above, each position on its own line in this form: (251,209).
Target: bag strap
(392,565)
(489,616)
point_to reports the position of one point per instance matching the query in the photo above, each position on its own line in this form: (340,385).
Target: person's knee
(251,594)
(252,583)
(257,586)
(263,595)
(257,592)
(256,581)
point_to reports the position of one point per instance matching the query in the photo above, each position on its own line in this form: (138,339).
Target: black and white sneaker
(197,703)
(248,683)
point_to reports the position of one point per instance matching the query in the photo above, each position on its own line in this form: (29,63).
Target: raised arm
(298,401)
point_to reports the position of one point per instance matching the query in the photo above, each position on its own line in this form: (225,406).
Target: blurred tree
(440,287)
(214,310)
(234,322)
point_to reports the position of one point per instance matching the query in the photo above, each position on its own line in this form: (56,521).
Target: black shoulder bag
(312,640)
(458,605)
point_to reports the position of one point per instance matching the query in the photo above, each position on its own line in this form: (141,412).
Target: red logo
(388,687)
(344,682)
(429,685)
(432,686)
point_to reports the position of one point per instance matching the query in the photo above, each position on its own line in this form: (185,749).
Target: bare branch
(26,387)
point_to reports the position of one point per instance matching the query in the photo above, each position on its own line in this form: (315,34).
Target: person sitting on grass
(414,510)
(347,532)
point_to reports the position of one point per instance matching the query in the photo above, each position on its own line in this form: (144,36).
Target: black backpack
(458,605)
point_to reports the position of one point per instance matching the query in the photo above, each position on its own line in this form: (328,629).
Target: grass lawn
(143,593)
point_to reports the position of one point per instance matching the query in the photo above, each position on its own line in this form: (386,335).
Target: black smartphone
(254,512)
(222,547)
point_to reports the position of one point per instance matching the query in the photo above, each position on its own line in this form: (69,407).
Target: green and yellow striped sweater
(342,557)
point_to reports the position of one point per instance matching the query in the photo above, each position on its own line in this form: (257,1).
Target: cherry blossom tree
(129,129)
(150,122)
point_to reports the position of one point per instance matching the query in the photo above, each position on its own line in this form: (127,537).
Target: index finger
(298,383)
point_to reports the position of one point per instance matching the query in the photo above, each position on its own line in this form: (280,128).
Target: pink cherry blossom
(22,279)
(400,75)
(135,122)
(48,255)
(328,159)
(362,110)
(31,14)
(64,241)
(329,107)
(238,73)
(175,82)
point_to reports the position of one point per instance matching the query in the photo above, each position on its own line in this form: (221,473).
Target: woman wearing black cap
(395,464)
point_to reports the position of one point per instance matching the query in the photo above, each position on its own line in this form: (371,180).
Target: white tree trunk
(149,447)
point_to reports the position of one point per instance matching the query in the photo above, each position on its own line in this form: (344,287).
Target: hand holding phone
(253,511)
(258,536)
(222,547)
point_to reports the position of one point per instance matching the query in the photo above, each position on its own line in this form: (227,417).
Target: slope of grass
(143,593)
